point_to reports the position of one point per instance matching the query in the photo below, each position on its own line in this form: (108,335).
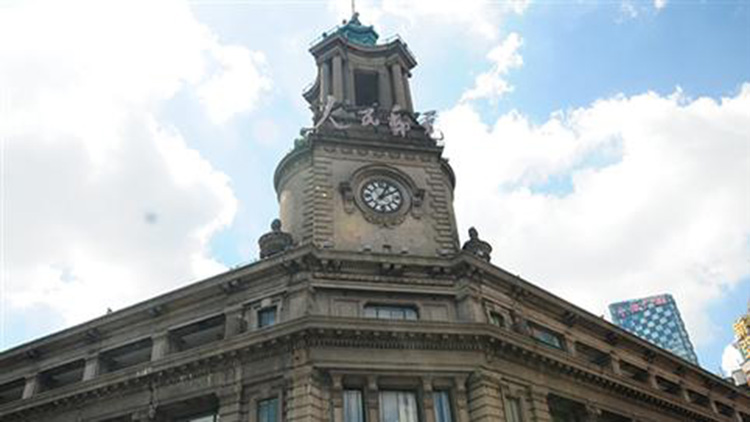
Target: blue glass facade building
(657,320)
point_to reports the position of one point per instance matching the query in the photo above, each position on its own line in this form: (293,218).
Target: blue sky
(602,147)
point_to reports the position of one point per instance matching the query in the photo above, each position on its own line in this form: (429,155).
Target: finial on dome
(275,241)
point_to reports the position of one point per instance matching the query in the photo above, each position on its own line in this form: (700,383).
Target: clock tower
(369,176)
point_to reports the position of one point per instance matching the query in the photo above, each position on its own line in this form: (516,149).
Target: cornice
(326,332)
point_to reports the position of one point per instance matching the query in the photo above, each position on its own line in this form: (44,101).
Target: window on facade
(390,312)
(497,319)
(514,413)
(442,403)
(213,417)
(267,317)
(353,406)
(268,410)
(398,406)
(366,88)
(546,336)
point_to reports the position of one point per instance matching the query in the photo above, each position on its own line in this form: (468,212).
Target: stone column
(428,401)
(372,400)
(485,401)
(407,93)
(305,401)
(462,400)
(338,78)
(349,92)
(92,366)
(652,379)
(614,361)
(234,322)
(384,88)
(325,79)
(31,387)
(337,398)
(398,85)
(161,345)
(539,404)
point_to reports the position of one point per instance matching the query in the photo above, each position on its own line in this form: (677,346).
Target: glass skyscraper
(657,320)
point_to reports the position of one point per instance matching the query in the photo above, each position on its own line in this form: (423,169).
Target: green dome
(357,33)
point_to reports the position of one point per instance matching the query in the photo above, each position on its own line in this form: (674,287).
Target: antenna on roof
(354,9)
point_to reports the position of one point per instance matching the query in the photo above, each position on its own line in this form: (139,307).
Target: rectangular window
(442,406)
(548,337)
(391,312)
(267,317)
(366,88)
(268,410)
(398,406)
(514,413)
(497,319)
(353,406)
(205,418)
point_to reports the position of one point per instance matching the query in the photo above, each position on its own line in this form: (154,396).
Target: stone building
(364,306)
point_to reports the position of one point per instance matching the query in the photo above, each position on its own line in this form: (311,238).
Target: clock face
(382,196)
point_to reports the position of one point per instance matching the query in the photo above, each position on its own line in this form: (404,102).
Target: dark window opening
(633,372)
(61,376)
(353,408)
(745,417)
(593,355)
(198,333)
(12,391)
(267,317)
(391,312)
(199,409)
(724,409)
(564,410)
(698,399)
(366,88)
(442,404)
(398,406)
(667,386)
(515,411)
(125,356)
(497,319)
(547,336)
(612,417)
(268,410)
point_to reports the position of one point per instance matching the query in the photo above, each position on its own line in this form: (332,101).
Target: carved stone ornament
(478,247)
(275,241)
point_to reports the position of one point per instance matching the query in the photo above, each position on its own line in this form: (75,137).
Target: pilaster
(462,400)
(539,404)
(428,401)
(234,321)
(338,78)
(372,399)
(92,367)
(31,387)
(160,345)
(485,402)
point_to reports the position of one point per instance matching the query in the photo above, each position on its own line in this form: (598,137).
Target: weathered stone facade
(361,302)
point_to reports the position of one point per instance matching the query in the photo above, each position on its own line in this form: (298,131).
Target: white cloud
(660,4)
(238,87)
(479,17)
(492,84)
(658,197)
(106,204)
(731,359)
